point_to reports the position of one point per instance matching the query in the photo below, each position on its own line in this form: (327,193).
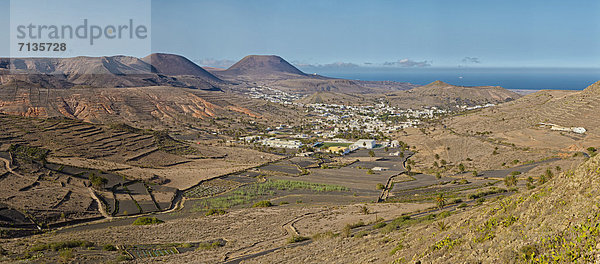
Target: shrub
(123,257)
(364,210)
(456,201)
(109,247)
(528,252)
(296,239)
(441,225)
(380,225)
(397,248)
(462,205)
(56,246)
(480,201)
(66,254)
(357,224)
(370,171)
(186,245)
(283,202)
(215,212)
(380,186)
(147,221)
(207,246)
(324,235)
(264,203)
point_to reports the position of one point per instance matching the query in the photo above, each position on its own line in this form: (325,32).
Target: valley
(262,163)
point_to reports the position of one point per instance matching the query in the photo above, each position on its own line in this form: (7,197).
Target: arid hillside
(450,96)
(518,121)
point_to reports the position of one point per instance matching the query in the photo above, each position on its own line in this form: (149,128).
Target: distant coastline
(509,78)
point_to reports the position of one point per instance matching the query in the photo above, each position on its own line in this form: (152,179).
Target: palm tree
(440,200)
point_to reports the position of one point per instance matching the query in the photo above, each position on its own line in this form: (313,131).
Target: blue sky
(434,33)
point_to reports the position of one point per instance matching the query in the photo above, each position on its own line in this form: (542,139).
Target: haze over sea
(509,78)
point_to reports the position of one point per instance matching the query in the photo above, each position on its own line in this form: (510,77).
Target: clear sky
(435,33)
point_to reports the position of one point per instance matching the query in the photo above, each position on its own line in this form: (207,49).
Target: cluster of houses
(343,118)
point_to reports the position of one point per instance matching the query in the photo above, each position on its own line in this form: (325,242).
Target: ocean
(509,78)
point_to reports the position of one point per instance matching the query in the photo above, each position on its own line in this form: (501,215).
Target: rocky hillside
(146,107)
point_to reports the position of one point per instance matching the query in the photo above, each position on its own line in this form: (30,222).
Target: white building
(279,143)
(380,169)
(365,143)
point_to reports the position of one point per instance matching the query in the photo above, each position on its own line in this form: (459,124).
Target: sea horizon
(509,78)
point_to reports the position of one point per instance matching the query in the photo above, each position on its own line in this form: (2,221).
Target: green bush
(109,247)
(147,221)
(380,186)
(215,212)
(296,239)
(265,203)
(380,225)
(207,246)
(56,246)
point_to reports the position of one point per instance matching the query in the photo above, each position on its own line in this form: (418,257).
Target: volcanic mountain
(174,65)
(274,71)
(112,71)
(263,66)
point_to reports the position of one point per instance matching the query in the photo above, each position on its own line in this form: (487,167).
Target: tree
(97,181)
(440,200)
(549,174)
(461,167)
(437,156)
(510,180)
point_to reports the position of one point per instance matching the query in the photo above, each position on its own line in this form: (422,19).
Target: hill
(445,95)
(518,121)
(174,65)
(108,71)
(264,66)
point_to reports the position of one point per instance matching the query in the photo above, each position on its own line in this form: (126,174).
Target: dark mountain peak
(171,64)
(263,65)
